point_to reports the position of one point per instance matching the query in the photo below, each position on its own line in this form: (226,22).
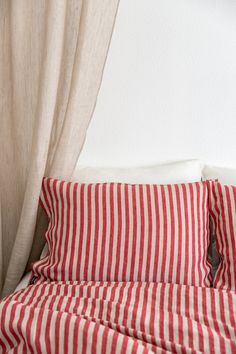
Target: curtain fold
(51,70)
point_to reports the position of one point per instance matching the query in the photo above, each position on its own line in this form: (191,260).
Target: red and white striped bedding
(123,232)
(222,209)
(118,317)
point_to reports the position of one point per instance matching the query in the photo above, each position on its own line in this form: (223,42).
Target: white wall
(169,86)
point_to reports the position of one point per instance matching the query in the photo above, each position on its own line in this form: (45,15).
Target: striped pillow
(223,213)
(123,232)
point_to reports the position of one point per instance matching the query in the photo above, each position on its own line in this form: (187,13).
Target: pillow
(172,172)
(222,174)
(123,232)
(222,210)
(176,172)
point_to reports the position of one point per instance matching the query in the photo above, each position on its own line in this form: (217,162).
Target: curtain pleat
(51,69)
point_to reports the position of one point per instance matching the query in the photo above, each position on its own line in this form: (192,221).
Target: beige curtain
(51,62)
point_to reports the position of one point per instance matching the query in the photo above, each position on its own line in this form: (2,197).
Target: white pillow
(169,173)
(223,174)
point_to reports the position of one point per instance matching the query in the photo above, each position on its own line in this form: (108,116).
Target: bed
(126,270)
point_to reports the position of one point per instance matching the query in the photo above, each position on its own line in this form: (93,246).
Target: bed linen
(125,232)
(118,317)
(222,209)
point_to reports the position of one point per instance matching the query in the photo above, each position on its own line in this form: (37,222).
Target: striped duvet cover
(118,317)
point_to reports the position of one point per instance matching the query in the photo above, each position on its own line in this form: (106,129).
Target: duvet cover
(118,317)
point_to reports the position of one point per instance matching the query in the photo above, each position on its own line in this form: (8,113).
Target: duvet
(118,317)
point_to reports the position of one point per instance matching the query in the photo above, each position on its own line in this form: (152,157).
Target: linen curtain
(51,62)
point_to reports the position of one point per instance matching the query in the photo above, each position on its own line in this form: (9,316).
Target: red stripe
(165,221)
(111,234)
(67,224)
(11,328)
(94,264)
(104,229)
(85,336)
(134,233)
(81,228)
(74,230)
(202,253)
(87,237)
(126,234)
(140,263)
(94,339)
(150,236)
(186,244)
(193,236)
(118,250)
(3,331)
(173,233)
(157,239)
(179,248)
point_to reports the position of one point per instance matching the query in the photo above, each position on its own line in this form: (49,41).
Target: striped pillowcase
(122,232)
(223,212)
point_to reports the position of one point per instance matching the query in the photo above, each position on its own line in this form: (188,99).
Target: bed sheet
(118,317)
